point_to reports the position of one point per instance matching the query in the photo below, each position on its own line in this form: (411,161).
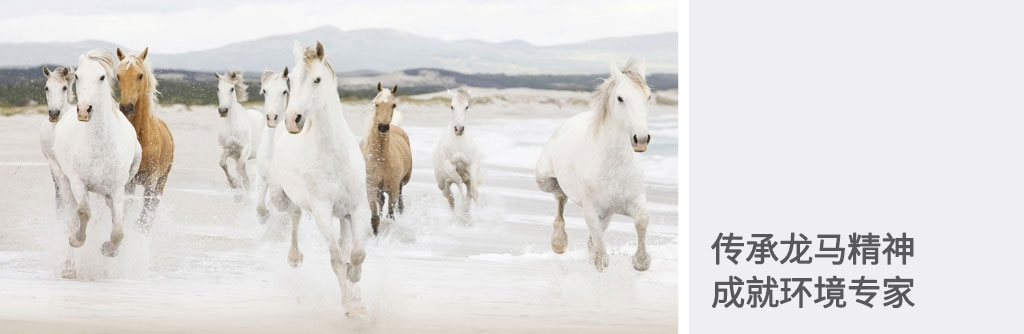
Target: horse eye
(317,80)
(284,93)
(393,106)
(47,89)
(76,76)
(232,89)
(467,108)
(620,99)
(263,92)
(453,108)
(103,77)
(65,88)
(140,76)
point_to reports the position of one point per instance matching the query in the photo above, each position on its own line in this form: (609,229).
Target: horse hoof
(75,242)
(262,213)
(601,262)
(295,259)
(109,249)
(642,261)
(559,241)
(357,312)
(69,271)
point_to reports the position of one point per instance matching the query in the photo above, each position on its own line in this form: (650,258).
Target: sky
(188,25)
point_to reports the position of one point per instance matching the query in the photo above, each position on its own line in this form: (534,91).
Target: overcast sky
(187,25)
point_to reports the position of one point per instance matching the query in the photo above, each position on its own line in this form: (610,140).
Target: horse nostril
(648,139)
(634,140)
(298,119)
(90,109)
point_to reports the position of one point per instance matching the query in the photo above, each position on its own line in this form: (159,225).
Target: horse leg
(446,189)
(638,211)
(283,203)
(401,203)
(392,200)
(559,239)
(224,165)
(356,227)
(595,223)
(152,195)
(261,202)
(116,203)
(376,198)
(82,198)
(242,178)
(324,217)
(243,174)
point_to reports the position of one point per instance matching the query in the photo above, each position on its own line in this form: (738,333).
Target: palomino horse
(388,156)
(60,100)
(274,88)
(590,161)
(318,168)
(240,131)
(98,153)
(138,100)
(456,159)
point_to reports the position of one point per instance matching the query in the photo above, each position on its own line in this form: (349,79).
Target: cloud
(187,25)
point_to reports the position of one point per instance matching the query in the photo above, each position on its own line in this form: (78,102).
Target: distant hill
(386,50)
(24,86)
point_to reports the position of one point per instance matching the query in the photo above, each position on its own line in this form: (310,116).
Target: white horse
(60,98)
(98,153)
(274,88)
(319,168)
(60,101)
(590,161)
(456,159)
(240,129)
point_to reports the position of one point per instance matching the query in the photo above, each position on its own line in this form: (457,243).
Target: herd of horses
(315,164)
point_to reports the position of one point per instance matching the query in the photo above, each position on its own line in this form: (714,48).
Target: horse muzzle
(640,143)
(223,112)
(459,129)
(84,113)
(383,128)
(293,124)
(127,109)
(54,115)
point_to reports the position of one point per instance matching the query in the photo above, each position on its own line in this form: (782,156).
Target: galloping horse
(240,133)
(137,83)
(274,88)
(456,159)
(388,156)
(318,168)
(590,161)
(60,100)
(99,153)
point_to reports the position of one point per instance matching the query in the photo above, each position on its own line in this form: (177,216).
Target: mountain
(388,50)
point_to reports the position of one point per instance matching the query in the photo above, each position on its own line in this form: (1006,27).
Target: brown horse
(138,98)
(388,157)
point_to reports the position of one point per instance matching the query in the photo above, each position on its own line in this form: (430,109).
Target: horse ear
(216,75)
(379,87)
(70,75)
(46,72)
(394,90)
(64,71)
(319,50)
(614,70)
(284,74)
(449,91)
(120,54)
(296,49)
(233,75)
(144,53)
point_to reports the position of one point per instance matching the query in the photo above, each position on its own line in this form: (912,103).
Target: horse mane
(603,95)
(147,69)
(310,55)
(68,78)
(105,58)
(241,89)
(462,94)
